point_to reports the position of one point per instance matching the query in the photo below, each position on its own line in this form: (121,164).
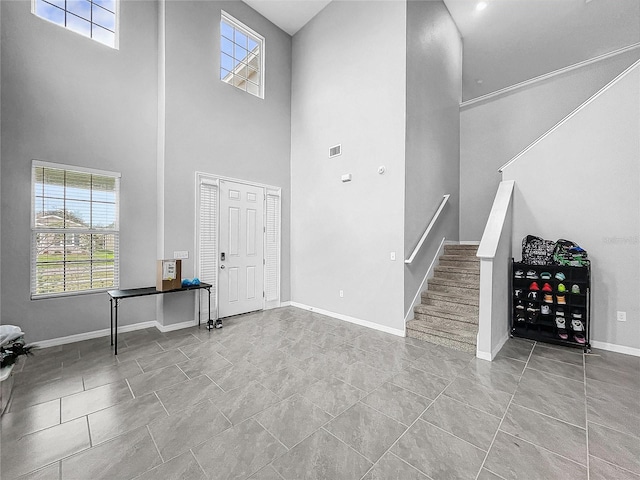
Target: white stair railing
(428,229)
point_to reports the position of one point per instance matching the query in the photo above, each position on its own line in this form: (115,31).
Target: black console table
(116,295)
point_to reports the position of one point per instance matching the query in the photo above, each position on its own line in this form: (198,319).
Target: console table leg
(116,330)
(111,312)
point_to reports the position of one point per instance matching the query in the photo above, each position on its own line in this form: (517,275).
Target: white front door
(241,258)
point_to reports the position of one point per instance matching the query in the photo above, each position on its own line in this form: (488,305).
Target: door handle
(222,267)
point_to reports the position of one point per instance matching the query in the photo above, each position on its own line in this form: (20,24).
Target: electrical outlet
(393,255)
(341,294)
(183,254)
(622,316)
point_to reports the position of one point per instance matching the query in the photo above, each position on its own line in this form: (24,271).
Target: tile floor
(289,394)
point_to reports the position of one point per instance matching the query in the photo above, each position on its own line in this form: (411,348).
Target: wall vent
(335,151)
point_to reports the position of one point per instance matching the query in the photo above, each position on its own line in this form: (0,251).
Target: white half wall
(581,182)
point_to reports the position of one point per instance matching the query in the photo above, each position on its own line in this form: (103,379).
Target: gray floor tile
(191,392)
(244,402)
(448,368)
(369,343)
(201,349)
(41,448)
(388,360)
(493,376)
(159,360)
(366,430)
(615,447)
(156,380)
(472,393)
(97,360)
(288,381)
(25,396)
(144,349)
(515,350)
(362,376)
(623,398)
(31,419)
(205,365)
(627,378)
(333,395)
(123,457)
(397,403)
(236,375)
(327,340)
(187,428)
(111,374)
(89,401)
(553,367)
(567,355)
(420,382)
(45,374)
(488,475)
(321,456)
(238,452)
(505,364)
(614,414)
(555,396)
(302,349)
(432,450)
(613,361)
(559,437)
(271,361)
(319,366)
(601,470)
(390,467)
(183,467)
(266,473)
(463,421)
(52,472)
(178,341)
(514,459)
(345,353)
(293,419)
(114,421)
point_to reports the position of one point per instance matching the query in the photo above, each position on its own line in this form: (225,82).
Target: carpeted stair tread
(456,298)
(444,341)
(461,249)
(458,269)
(447,328)
(454,283)
(426,312)
(460,258)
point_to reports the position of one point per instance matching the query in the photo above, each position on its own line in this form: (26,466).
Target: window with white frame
(241,56)
(96,19)
(74,230)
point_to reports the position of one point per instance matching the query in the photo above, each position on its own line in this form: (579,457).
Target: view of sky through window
(95,19)
(241,57)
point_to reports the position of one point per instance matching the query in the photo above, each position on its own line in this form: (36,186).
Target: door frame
(212,179)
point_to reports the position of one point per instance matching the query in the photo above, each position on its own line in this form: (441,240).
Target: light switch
(183,254)
(393,255)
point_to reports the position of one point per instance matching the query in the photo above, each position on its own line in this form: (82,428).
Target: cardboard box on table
(169,275)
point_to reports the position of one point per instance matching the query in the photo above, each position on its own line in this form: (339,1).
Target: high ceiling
(509,41)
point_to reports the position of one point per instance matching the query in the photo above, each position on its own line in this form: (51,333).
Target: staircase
(448,314)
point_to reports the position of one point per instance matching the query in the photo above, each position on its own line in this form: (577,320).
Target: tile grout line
(407,463)
(544,448)
(608,462)
(586,414)
(162,404)
(495,435)
(89,431)
(154,442)
(615,429)
(494,473)
(454,435)
(130,389)
(549,416)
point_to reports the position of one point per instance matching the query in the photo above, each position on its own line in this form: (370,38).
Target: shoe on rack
(576,314)
(532,317)
(534,286)
(531,307)
(520,317)
(560,311)
(561,288)
(561,300)
(520,305)
(560,276)
(517,293)
(532,296)
(547,288)
(545,276)
(545,309)
(575,289)
(562,330)
(531,274)
(578,331)
(519,274)
(548,298)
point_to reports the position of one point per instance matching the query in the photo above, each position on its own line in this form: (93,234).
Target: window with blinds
(208,238)
(74,230)
(272,248)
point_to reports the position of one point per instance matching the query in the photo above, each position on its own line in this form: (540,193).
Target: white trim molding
(416,299)
(612,347)
(346,318)
(105,332)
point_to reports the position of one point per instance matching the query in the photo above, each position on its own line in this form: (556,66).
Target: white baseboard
(347,318)
(416,298)
(612,347)
(285,304)
(175,326)
(469,242)
(54,342)
(490,356)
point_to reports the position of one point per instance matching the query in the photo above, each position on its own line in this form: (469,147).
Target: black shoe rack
(534,312)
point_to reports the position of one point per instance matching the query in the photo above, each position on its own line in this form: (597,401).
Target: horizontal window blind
(208,238)
(74,230)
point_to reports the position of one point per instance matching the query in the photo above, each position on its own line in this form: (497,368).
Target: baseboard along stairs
(448,313)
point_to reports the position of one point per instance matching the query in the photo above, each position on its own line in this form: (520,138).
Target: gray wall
(494,131)
(434,77)
(349,71)
(582,183)
(215,128)
(71,100)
